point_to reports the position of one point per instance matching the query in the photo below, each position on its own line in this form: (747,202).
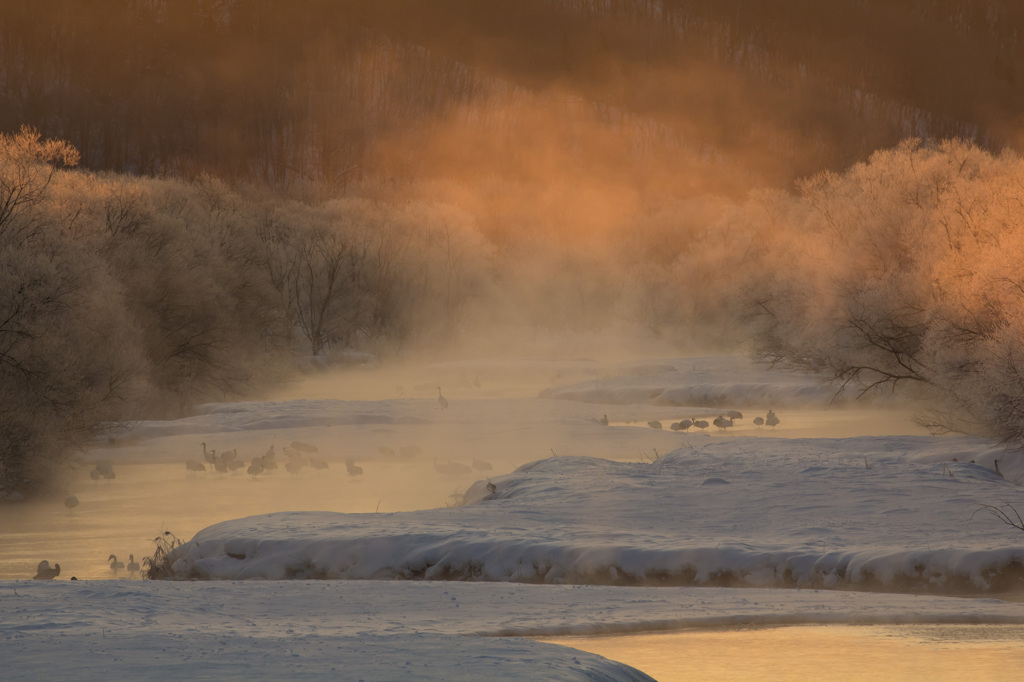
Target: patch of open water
(124,515)
(822,653)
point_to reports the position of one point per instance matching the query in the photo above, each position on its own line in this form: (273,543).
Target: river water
(123,516)
(906,653)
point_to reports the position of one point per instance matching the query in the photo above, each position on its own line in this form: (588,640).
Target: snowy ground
(867,513)
(631,532)
(393,630)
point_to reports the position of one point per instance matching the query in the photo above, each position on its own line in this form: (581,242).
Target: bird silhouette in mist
(441,400)
(70,502)
(352,468)
(115,565)
(44,572)
(192,466)
(758,421)
(293,465)
(133,565)
(103,470)
(604,420)
(700,424)
(654,424)
(255,467)
(771,420)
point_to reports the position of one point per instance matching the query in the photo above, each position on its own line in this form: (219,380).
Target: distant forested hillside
(281,92)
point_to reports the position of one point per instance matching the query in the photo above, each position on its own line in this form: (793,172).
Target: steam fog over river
(588,529)
(123,516)
(494,419)
(526,213)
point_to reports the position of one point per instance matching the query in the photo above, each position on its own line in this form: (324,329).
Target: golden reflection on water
(123,516)
(820,653)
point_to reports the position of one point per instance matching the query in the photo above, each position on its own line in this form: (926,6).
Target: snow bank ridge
(580,520)
(474,557)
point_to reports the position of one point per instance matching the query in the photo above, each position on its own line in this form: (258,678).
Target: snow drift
(890,514)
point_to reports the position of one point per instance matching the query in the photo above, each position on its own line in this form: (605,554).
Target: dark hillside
(275,91)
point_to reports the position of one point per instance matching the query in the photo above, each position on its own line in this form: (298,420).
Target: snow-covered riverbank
(386,630)
(586,528)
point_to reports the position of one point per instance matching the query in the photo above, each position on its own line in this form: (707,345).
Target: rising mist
(259,184)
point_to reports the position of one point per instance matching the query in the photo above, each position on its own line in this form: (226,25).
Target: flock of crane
(300,455)
(297,456)
(722,421)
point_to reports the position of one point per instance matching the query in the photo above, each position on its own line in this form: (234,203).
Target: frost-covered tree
(68,356)
(28,164)
(318,273)
(909,278)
